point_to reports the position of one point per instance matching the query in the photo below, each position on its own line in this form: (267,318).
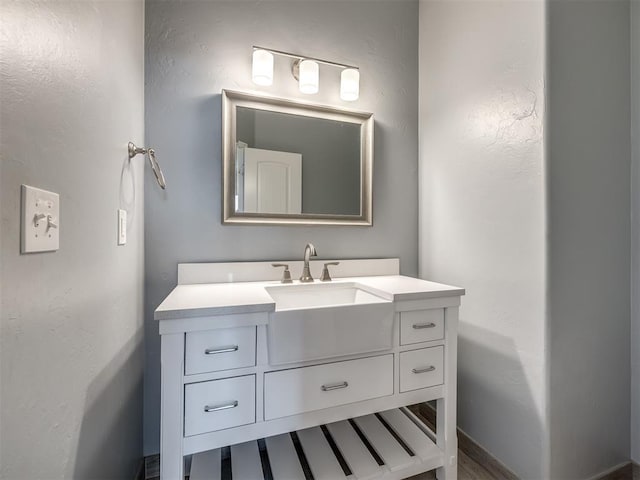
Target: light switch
(122,227)
(40,230)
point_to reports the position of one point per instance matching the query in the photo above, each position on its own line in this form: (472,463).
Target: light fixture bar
(305,57)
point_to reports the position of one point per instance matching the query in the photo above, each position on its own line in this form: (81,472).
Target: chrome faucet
(309,251)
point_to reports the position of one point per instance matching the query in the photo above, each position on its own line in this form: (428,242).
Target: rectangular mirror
(292,162)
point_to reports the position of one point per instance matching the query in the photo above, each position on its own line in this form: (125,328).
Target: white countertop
(206,299)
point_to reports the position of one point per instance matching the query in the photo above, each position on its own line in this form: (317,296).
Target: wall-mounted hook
(133,150)
(155,166)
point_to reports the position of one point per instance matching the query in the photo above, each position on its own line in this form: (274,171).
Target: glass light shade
(349,84)
(262,71)
(309,75)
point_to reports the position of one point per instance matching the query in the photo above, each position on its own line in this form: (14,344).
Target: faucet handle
(286,275)
(325,271)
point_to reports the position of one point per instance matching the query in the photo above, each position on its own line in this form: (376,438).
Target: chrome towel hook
(155,166)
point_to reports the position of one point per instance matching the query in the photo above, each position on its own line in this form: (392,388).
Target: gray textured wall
(482,212)
(588,181)
(71,322)
(196,48)
(635,238)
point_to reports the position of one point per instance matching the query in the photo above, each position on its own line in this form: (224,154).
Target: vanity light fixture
(308,76)
(306,70)
(349,84)
(262,71)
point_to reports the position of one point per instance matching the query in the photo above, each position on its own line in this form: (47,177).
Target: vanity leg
(446,436)
(172,365)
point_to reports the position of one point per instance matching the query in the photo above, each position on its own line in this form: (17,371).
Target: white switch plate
(122,227)
(40,220)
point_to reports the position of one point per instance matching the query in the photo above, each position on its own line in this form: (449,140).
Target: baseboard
(627,470)
(468,445)
(477,453)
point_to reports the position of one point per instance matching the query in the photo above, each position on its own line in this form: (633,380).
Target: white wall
(588,178)
(635,239)
(71,356)
(482,204)
(193,50)
(535,226)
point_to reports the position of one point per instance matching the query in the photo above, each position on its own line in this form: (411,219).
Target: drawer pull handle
(213,351)
(430,368)
(419,326)
(217,408)
(334,386)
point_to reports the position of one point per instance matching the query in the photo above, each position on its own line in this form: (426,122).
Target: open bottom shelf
(389,445)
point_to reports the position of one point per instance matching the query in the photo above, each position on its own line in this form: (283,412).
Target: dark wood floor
(474,463)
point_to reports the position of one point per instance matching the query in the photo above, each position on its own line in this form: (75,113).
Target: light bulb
(349,84)
(309,76)
(262,72)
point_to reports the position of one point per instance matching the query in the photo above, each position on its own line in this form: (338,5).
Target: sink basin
(306,296)
(316,321)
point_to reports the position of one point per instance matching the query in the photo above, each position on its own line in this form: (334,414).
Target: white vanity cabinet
(219,389)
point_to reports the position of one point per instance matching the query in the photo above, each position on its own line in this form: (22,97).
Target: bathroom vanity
(306,377)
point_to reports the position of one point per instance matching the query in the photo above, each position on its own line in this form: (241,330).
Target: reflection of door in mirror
(240,146)
(272,181)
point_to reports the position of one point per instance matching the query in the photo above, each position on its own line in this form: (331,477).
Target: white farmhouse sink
(314,321)
(314,295)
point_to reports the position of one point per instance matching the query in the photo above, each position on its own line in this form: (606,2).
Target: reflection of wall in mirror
(330,151)
(239,197)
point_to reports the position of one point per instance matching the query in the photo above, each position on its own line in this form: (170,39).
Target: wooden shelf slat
(283,458)
(417,441)
(245,461)
(322,461)
(360,461)
(394,456)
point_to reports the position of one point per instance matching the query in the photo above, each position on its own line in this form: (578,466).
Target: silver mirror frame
(233,99)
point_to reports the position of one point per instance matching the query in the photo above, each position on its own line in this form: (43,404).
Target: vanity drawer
(299,390)
(421,326)
(421,368)
(221,349)
(219,404)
